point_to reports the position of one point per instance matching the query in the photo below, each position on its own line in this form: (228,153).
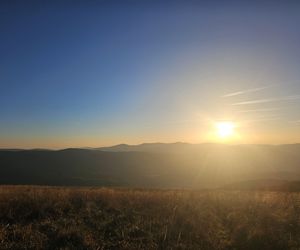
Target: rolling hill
(157,165)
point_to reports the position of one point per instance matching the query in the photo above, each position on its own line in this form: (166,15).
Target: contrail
(285,98)
(247,91)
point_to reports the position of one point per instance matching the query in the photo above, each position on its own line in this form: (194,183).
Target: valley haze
(154,165)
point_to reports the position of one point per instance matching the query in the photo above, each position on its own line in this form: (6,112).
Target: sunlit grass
(90,218)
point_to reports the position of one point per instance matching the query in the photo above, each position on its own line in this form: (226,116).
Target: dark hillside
(167,166)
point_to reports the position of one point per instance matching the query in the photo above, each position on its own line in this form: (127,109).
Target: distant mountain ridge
(157,165)
(146,147)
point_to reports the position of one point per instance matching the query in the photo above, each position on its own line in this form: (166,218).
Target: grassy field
(102,218)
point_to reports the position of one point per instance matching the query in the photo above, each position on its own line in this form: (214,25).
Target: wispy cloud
(262,120)
(284,98)
(295,122)
(247,91)
(258,110)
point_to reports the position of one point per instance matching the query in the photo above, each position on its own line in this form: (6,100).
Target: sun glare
(225,129)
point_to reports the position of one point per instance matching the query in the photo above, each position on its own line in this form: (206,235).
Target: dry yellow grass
(104,218)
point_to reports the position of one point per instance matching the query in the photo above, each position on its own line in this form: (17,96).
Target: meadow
(33,217)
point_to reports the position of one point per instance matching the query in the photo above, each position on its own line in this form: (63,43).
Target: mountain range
(152,165)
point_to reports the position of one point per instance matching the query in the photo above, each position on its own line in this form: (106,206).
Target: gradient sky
(94,73)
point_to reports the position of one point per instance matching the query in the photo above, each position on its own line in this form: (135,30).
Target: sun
(225,129)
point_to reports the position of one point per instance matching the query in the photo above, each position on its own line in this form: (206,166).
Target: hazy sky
(93,73)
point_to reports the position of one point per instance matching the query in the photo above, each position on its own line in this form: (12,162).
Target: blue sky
(103,72)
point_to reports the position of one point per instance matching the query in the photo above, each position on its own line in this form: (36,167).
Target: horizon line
(144,143)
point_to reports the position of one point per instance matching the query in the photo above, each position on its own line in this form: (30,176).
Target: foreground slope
(84,218)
